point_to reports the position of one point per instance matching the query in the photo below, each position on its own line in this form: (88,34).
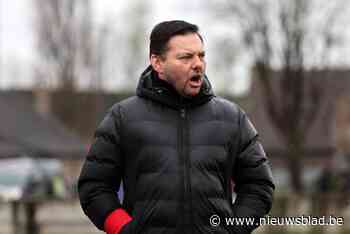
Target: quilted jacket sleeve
(252,177)
(102,171)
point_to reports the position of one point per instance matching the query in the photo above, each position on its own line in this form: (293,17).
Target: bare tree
(72,54)
(292,36)
(68,42)
(224,62)
(133,38)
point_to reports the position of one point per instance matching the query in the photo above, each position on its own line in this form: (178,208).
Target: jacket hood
(155,89)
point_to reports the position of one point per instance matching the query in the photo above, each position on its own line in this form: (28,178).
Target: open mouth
(196,78)
(196,81)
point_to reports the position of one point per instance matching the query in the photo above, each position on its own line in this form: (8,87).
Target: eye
(186,57)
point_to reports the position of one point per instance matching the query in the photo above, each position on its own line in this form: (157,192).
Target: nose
(198,63)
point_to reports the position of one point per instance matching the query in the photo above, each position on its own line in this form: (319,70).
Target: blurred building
(342,122)
(28,129)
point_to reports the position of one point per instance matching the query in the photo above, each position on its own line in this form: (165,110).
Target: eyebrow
(190,53)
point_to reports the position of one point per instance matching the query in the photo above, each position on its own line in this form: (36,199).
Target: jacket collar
(157,90)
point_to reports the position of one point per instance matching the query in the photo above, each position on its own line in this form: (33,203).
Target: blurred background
(65,62)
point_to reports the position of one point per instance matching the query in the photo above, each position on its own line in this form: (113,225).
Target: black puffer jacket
(177,158)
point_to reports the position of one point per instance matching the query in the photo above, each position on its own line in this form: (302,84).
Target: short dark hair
(164,31)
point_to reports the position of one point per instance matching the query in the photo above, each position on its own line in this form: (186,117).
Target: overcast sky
(18,43)
(16,23)
(17,40)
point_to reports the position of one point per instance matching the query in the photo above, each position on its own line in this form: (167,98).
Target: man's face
(183,64)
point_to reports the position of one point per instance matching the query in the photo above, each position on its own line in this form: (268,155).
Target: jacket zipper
(186,163)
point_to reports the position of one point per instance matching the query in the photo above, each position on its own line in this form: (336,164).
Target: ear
(157,63)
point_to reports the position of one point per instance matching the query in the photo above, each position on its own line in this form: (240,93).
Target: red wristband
(116,220)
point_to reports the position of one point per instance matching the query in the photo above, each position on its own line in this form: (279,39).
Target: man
(177,148)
